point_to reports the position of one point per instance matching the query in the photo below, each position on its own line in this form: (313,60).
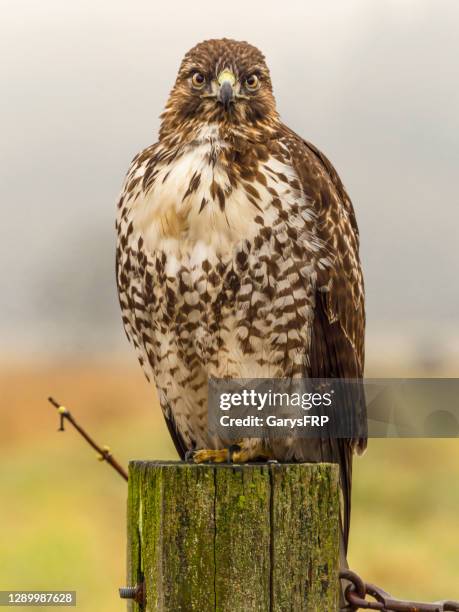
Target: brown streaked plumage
(238,255)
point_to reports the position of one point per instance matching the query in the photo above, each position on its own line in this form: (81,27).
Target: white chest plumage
(196,210)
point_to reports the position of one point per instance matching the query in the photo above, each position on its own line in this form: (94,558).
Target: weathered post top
(234,538)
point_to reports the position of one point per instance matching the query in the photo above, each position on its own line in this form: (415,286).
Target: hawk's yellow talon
(211,456)
(234,454)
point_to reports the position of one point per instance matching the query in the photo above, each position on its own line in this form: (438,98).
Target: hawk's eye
(198,80)
(252,82)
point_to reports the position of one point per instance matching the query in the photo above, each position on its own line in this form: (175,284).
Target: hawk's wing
(337,342)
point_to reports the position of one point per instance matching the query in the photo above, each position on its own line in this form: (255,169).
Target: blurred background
(370,83)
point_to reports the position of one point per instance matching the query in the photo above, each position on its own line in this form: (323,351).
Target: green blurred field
(62,513)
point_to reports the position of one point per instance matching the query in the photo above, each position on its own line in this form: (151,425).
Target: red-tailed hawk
(237,255)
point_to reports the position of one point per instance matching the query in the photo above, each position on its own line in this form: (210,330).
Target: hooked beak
(226,81)
(226,95)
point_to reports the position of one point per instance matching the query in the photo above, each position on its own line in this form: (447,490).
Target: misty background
(373,84)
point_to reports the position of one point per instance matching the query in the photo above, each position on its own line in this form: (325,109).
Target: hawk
(238,256)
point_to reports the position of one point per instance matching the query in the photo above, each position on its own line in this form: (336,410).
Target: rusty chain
(357,591)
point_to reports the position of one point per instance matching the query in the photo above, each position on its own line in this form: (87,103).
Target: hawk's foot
(234,454)
(208,456)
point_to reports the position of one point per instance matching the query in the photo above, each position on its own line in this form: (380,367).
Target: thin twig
(104,453)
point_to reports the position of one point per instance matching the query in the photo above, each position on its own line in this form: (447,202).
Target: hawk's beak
(226,81)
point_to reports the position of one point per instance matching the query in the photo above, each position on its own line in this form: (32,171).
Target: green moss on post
(305,525)
(242,538)
(261,538)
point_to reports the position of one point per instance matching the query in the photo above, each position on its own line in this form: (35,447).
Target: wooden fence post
(228,538)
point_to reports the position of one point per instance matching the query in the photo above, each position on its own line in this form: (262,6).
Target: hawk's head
(221,81)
